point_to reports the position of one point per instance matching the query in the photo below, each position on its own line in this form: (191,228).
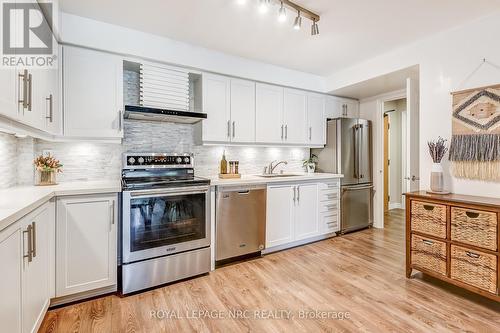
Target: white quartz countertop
(255,179)
(16,202)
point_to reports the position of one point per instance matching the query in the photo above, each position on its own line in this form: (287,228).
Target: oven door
(166,221)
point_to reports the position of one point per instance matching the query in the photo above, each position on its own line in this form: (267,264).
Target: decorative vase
(44,177)
(437,179)
(311,167)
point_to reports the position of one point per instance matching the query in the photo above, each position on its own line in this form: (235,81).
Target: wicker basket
(475,268)
(428,254)
(474,227)
(428,218)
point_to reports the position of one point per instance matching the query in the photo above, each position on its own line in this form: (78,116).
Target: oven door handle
(169,192)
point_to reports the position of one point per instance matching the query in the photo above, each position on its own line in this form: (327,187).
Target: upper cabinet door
(242,111)
(333,108)
(351,109)
(93,94)
(216,104)
(8,93)
(295,116)
(269,114)
(316,119)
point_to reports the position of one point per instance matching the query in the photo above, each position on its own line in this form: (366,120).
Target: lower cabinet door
(306,217)
(36,275)
(279,219)
(10,287)
(85,243)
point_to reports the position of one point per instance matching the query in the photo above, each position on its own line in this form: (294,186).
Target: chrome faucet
(270,168)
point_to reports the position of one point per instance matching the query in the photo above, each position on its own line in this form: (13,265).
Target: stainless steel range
(165,220)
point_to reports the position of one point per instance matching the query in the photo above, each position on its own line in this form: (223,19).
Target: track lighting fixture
(298,21)
(282,13)
(314,28)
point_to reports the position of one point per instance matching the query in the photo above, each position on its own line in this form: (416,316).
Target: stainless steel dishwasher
(240,221)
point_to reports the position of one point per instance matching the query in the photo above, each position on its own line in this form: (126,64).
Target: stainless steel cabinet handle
(286,132)
(228,128)
(30,92)
(24,76)
(50,99)
(427,242)
(30,249)
(294,194)
(298,194)
(472,255)
(33,238)
(112,214)
(234,128)
(282,132)
(310,132)
(120,120)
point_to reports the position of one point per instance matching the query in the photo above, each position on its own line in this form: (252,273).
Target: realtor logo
(27,37)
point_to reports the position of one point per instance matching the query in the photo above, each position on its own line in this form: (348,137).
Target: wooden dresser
(454,238)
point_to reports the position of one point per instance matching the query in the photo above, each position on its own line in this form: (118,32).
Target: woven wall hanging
(475,142)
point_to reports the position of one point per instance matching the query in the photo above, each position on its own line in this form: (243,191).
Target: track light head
(314,28)
(282,13)
(298,21)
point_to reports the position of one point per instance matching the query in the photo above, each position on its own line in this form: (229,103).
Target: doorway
(394,153)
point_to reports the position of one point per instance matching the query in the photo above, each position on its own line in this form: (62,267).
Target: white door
(36,275)
(279,215)
(242,111)
(269,127)
(333,108)
(10,288)
(412,176)
(316,119)
(8,95)
(85,243)
(306,212)
(295,116)
(93,94)
(216,104)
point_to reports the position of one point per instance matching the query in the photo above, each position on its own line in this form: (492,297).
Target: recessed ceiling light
(282,13)
(298,22)
(264,6)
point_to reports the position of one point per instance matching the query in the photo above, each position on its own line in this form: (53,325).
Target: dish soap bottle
(223,164)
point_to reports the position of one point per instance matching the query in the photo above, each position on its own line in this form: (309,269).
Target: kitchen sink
(275,175)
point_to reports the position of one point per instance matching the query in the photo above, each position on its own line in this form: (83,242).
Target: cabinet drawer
(330,221)
(428,218)
(475,268)
(474,227)
(329,195)
(428,254)
(329,206)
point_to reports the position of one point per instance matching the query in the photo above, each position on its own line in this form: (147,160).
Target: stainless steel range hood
(167,115)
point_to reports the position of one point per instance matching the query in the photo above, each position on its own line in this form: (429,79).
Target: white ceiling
(350,30)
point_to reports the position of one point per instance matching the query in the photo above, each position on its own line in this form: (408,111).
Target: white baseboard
(394,205)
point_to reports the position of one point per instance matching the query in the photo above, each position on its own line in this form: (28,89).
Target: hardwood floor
(360,273)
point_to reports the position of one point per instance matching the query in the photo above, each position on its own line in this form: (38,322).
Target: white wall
(445,60)
(103,36)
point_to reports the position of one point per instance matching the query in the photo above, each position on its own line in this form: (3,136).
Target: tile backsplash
(102,161)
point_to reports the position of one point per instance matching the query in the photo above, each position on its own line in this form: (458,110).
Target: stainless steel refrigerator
(348,151)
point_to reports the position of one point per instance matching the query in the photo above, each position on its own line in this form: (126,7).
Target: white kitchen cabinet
(10,287)
(242,111)
(329,206)
(316,119)
(341,108)
(86,236)
(306,211)
(279,215)
(269,126)
(216,104)
(36,275)
(25,257)
(93,94)
(295,116)
(8,93)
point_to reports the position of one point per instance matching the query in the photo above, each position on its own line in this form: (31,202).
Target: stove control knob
(140,160)
(178,160)
(186,160)
(131,160)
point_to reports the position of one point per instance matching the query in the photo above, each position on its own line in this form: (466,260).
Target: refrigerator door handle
(360,140)
(356,159)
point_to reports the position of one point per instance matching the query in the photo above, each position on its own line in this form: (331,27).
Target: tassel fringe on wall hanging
(475,143)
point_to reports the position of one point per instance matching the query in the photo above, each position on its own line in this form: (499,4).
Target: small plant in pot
(437,150)
(46,169)
(310,163)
